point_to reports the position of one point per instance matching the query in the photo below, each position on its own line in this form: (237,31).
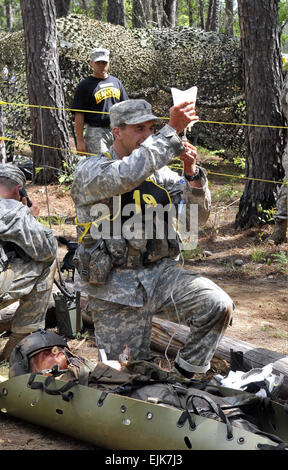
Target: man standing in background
(96,93)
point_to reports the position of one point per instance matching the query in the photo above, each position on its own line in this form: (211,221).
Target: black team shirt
(98,94)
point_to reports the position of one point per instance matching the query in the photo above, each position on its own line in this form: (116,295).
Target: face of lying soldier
(48,358)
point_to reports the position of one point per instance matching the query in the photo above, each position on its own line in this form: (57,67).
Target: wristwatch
(196,175)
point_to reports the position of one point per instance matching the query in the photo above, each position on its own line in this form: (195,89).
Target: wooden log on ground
(170,337)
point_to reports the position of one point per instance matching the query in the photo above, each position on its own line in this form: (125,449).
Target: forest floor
(243,262)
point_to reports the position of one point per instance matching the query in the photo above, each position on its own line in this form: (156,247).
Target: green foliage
(195,253)
(265,215)
(281,259)
(66,178)
(258,255)
(226,193)
(240,162)
(54,220)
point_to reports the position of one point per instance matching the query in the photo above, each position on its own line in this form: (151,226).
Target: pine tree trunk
(214,25)
(229,17)
(116,12)
(9,15)
(190,12)
(159,16)
(201,14)
(209,15)
(263,83)
(98,10)
(62,7)
(170,10)
(49,127)
(140,13)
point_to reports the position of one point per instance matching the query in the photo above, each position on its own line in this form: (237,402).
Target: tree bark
(209,15)
(263,81)
(62,7)
(190,12)
(170,10)
(98,10)
(116,12)
(49,126)
(141,14)
(159,15)
(213,16)
(9,15)
(228,25)
(201,14)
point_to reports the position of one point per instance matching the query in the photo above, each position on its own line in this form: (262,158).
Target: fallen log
(169,337)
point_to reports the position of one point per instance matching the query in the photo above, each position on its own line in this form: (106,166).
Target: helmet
(34,342)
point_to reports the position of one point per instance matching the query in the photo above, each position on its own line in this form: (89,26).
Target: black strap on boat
(186,416)
(44,386)
(102,398)
(281,445)
(212,406)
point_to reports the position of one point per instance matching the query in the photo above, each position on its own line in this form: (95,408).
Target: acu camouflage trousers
(179,295)
(31,284)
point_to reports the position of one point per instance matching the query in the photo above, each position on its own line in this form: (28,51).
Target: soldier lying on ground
(131,276)
(48,354)
(27,259)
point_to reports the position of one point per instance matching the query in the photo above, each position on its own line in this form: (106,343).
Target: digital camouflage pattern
(131,112)
(282,201)
(173,293)
(29,275)
(98,139)
(122,307)
(13,173)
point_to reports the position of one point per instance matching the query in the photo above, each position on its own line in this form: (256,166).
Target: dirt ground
(243,262)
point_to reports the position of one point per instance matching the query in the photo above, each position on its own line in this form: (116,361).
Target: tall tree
(141,14)
(213,16)
(228,22)
(116,12)
(158,13)
(49,126)
(170,11)
(9,15)
(263,83)
(62,7)
(98,10)
(201,14)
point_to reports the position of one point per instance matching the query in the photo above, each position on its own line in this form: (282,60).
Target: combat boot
(13,340)
(182,372)
(279,234)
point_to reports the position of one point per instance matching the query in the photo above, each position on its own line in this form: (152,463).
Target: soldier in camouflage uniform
(27,259)
(131,278)
(279,234)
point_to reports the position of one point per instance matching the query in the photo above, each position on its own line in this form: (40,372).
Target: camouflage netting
(148,62)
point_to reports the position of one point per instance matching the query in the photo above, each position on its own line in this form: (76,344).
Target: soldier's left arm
(181,191)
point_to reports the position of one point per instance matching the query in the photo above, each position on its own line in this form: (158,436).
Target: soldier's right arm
(79,131)
(19,226)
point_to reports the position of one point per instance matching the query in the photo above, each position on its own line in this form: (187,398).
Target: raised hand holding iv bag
(179,96)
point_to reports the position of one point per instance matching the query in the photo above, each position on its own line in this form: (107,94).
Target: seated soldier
(27,259)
